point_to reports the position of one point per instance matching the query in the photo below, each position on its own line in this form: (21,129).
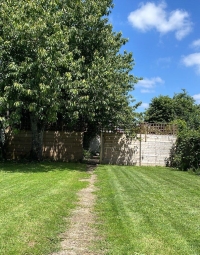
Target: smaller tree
(161,109)
(186,109)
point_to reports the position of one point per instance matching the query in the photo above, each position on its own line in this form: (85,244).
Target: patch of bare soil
(81,234)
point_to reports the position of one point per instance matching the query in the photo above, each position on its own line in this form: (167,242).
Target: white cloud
(150,16)
(195,44)
(147,91)
(192,60)
(197,98)
(144,105)
(148,85)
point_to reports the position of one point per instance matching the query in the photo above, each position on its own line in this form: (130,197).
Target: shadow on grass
(33,167)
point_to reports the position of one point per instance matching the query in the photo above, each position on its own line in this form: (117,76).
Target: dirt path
(79,237)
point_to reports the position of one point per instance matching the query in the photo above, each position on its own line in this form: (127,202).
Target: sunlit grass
(35,200)
(148,211)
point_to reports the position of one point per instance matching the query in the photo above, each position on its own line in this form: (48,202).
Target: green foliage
(181,124)
(86,154)
(186,154)
(182,111)
(160,110)
(181,106)
(186,109)
(62,57)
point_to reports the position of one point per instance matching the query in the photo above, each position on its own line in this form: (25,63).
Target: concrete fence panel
(145,149)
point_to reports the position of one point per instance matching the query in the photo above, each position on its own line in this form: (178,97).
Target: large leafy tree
(62,57)
(180,107)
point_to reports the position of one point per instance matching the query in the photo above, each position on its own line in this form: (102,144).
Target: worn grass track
(35,201)
(148,211)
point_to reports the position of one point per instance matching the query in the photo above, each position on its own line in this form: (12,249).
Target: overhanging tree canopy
(62,57)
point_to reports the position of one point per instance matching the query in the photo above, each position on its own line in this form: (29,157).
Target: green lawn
(148,211)
(140,210)
(35,200)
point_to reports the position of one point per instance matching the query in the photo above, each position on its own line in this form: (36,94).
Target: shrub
(186,153)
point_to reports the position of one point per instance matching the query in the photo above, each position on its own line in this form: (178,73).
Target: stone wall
(145,150)
(57,145)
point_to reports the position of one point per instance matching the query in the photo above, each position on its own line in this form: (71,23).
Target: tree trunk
(37,128)
(2,144)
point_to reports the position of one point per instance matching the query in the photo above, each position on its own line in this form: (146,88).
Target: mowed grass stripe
(149,210)
(35,200)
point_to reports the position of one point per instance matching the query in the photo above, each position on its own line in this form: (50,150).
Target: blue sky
(164,37)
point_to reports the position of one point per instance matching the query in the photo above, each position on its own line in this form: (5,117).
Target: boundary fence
(150,146)
(57,145)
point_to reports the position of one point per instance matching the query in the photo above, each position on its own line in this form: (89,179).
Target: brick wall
(151,150)
(57,145)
